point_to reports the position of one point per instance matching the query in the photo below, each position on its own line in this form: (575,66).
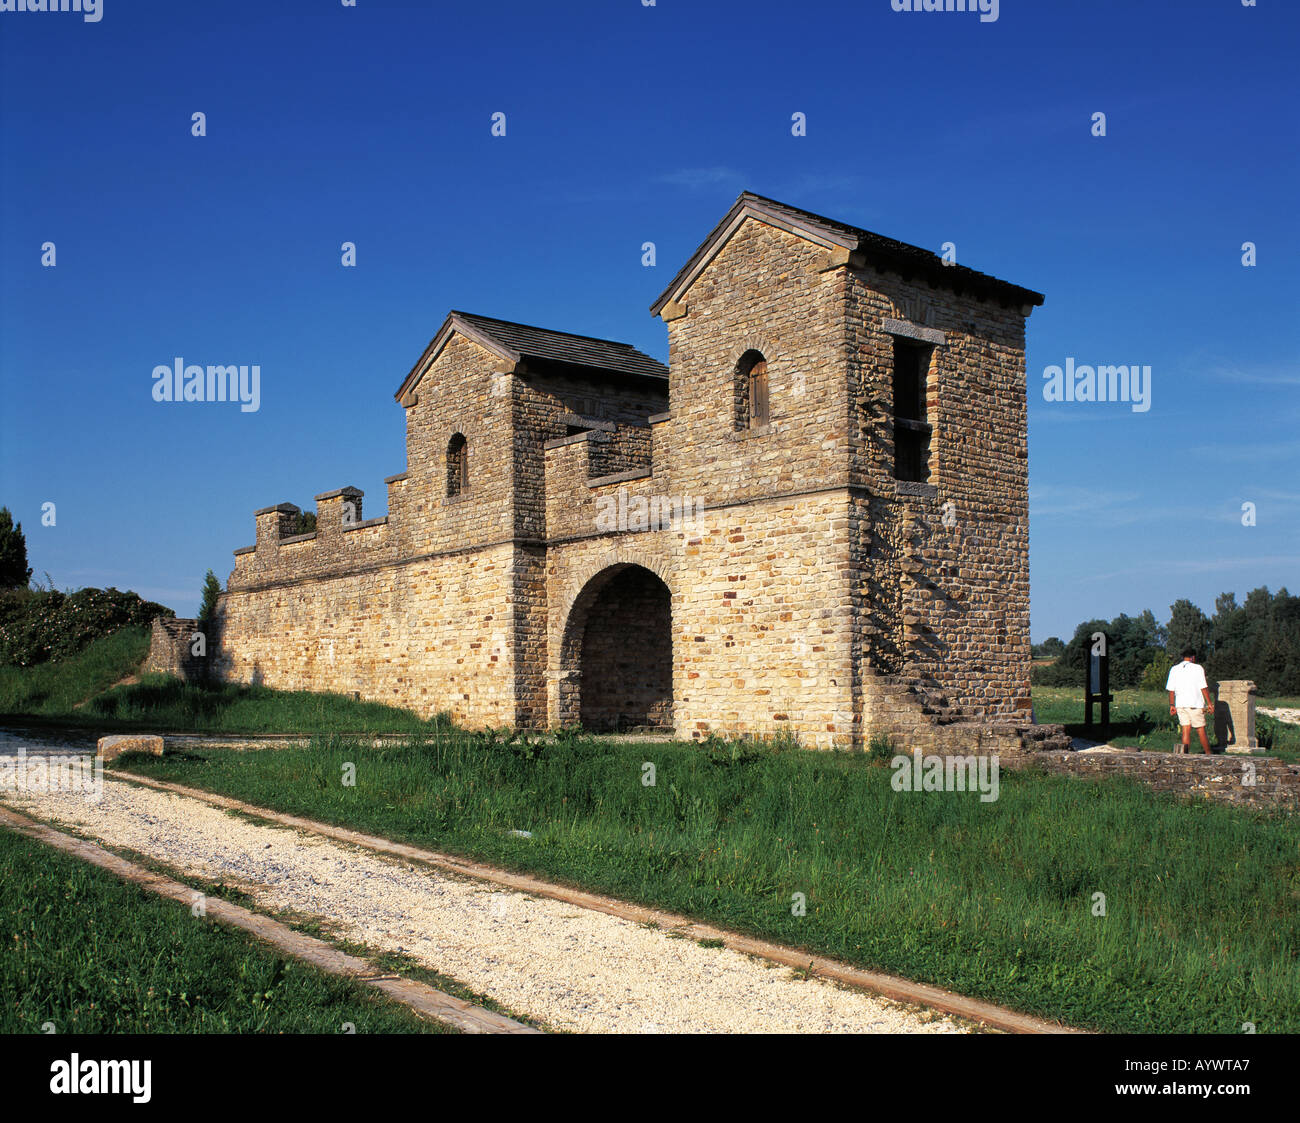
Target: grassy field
(995,900)
(78,692)
(1140,719)
(90,953)
(160,702)
(56,688)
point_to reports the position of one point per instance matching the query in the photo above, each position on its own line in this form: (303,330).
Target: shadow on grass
(160,703)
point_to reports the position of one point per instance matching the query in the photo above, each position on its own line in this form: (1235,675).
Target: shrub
(37,626)
(881,749)
(1156,674)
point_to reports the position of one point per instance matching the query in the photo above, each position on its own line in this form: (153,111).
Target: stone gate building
(813,521)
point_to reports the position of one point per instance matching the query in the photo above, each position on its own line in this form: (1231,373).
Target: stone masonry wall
(1239,780)
(171,649)
(946,562)
(761,632)
(775,293)
(432,635)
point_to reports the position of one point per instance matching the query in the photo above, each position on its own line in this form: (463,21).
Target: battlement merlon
(338,509)
(276,522)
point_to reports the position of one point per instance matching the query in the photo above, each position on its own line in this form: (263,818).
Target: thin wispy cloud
(1242,450)
(696,179)
(1196,565)
(1053,500)
(1259,377)
(1086,413)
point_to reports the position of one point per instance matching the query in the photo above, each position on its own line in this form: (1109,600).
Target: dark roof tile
(564,347)
(879,250)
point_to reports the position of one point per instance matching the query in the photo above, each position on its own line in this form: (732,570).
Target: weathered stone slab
(1234,715)
(110,748)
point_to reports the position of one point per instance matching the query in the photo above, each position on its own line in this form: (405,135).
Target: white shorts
(1192,715)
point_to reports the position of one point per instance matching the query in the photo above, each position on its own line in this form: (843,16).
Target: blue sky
(629,123)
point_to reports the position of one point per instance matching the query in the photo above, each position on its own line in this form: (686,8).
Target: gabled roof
(518,342)
(875,249)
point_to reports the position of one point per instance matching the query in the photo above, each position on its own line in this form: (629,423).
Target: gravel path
(1290,716)
(569,967)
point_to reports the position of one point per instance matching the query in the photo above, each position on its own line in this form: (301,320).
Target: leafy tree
(1256,639)
(211,590)
(14,570)
(1051,648)
(1188,627)
(1131,642)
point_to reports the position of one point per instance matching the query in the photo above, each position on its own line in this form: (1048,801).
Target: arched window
(457,465)
(751,391)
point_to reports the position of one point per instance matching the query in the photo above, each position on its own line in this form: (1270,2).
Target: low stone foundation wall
(1250,781)
(170,650)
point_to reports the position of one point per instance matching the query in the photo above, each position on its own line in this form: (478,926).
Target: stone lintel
(909,330)
(916,489)
(621,477)
(659,418)
(577,438)
(581,422)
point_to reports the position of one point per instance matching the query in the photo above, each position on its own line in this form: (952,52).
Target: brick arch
(614,646)
(740,384)
(752,343)
(441,437)
(656,563)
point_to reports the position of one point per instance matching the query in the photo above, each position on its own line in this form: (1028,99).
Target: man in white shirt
(1189,697)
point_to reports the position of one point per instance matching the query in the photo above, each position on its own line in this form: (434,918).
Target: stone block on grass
(110,748)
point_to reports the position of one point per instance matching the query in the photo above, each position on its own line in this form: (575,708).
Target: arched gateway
(617,652)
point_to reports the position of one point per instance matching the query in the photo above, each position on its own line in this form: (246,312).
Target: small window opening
(457,465)
(911,430)
(752,408)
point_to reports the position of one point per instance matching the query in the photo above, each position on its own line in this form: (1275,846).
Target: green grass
(55,689)
(90,953)
(993,900)
(1140,719)
(50,693)
(1278,701)
(162,702)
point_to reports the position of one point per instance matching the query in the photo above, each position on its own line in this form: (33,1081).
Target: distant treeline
(1258,640)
